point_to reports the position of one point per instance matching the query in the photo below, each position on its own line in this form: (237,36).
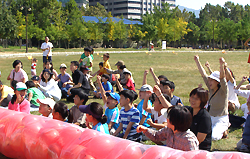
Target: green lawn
(179,68)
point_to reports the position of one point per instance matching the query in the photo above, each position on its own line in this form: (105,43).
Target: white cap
(63,65)
(215,75)
(47,101)
(146,87)
(20,86)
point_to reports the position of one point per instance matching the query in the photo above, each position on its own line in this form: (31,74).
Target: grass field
(179,68)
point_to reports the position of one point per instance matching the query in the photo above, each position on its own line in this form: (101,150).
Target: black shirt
(79,77)
(202,123)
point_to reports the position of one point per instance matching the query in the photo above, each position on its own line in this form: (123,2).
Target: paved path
(102,52)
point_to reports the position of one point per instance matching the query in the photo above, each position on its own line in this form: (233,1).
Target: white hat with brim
(215,75)
(48,101)
(21,86)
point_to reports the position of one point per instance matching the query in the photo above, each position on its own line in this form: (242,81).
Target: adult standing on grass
(47,51)
(218,99)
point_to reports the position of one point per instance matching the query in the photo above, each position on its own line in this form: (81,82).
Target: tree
(149,26)
(194,35)
(135,33)
(120,32)
(20,26)
(162,28)
(110,28)
(97,10)
(8,23)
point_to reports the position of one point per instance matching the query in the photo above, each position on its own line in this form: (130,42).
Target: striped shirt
(101,128)
(113,116)
(132,115)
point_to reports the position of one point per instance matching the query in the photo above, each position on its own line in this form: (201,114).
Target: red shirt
(130,85)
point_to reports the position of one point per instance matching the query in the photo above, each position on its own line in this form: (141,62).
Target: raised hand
(157,90)
(207,64)
(196,58)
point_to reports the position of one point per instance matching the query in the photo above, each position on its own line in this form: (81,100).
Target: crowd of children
(159,116)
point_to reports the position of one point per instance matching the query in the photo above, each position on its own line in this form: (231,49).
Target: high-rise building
(81,3)
(130,8)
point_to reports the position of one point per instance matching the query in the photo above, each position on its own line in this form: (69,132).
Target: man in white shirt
(47,51)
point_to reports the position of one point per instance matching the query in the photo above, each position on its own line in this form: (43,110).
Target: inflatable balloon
(26,136)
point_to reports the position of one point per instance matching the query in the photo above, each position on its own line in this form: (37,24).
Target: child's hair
(34,59)
(97,111)
(13,84)
(16,62)
(168,83)
(131,94)
(62,109)
(83,96)
(122,67)
(154,96)
(164,77)
(30,84)
(106,76)
(101,64)
(46,70)
(107,55)
(202,95)
(83,68)
(75,63)
(1,83)
(180,117)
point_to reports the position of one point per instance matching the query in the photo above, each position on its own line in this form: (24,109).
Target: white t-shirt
(45,46)
(245,110)
(232,96)
(158,119)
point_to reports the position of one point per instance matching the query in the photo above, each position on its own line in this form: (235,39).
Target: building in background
(130,8)
(81,3)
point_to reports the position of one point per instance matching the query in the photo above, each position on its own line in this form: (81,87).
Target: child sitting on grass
(110,100)
(167,87)
(94,114)
(60,112)
(106,85)
(33,94)
(18,101)
(128,84)
(46,107)
(177,134)
(158,110)
(80,98)
(129,117)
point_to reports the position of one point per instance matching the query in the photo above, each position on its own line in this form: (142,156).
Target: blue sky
(197,4)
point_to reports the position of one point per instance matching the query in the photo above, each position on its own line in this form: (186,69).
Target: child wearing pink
(18,101)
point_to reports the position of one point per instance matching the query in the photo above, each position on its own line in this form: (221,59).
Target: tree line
(218,26)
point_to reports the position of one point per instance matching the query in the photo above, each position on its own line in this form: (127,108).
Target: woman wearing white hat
(218,99)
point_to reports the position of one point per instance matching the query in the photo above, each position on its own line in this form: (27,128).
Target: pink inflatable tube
(36,137)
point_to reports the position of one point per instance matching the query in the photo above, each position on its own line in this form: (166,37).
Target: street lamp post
(26,21)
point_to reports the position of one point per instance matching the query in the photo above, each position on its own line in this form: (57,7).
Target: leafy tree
(162,28)
(97,10)
(20,26)
(110,35)
(194,35)
(120,32)
(135,33)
